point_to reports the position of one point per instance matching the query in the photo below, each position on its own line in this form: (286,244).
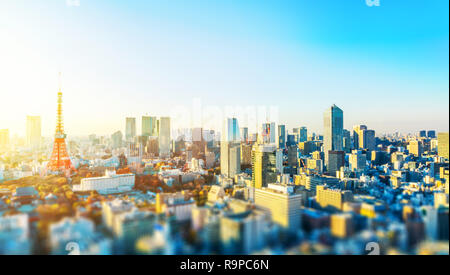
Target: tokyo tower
(60,161)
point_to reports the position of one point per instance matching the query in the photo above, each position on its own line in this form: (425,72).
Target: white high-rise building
(164,137)
(34,131)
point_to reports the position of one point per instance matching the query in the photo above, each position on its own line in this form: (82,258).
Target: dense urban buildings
(205,128)
(230,190)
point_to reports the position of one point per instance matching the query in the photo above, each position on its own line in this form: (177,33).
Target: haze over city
(121,59)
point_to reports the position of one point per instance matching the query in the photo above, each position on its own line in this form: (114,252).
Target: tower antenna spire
(60,160)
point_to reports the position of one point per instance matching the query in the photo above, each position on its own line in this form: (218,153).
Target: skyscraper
(296,133)
(363,138)
(336,160)
(164,137)
(358,135)
(230,158)
(272,133)
(369,142)
(231,130)
(357,161)
(303,135)
(117,139)
(415,147)
(130,128)
(265,133)
(264,165)
(148,126)
(333,130)
(346,143)
(244,135)
(443,145)
(281,137)
(34,131)
(431,134)
(230,149)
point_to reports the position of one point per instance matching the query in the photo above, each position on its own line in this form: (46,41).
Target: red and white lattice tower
(59,160)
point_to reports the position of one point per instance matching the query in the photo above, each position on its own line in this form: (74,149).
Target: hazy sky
(386,66)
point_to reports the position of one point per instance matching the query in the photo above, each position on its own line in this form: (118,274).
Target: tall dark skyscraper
(281,136)
(303,134)
(333,124)
(431,134)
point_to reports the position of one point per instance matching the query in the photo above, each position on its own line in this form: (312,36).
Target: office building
(369,141)
(347,141)
(284,205)
(244,135)
(175,204)
(111,183)
(243,232)
(443,145)
(230,149)
(264,165)
(291,140)
(415,147)
(296,134)
(130,129)
(332,198)
(281,137)
(149,126)
(34,131)
(336,160)
(364,138)
(246,154)
(273,133)
(333,130)
(164,137)
(230,158)
(357,135)
(116,139)
(303,134)
(357,161)
(266,133)
(307,147)
(341,225)
(231,130)
(316,165)
(431,134)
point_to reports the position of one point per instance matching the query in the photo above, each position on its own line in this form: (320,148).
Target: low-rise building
(109,184)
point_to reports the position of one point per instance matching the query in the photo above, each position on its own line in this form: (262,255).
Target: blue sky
(386,66)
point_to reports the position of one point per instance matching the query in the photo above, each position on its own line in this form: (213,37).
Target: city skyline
(270,58)
(244,128)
